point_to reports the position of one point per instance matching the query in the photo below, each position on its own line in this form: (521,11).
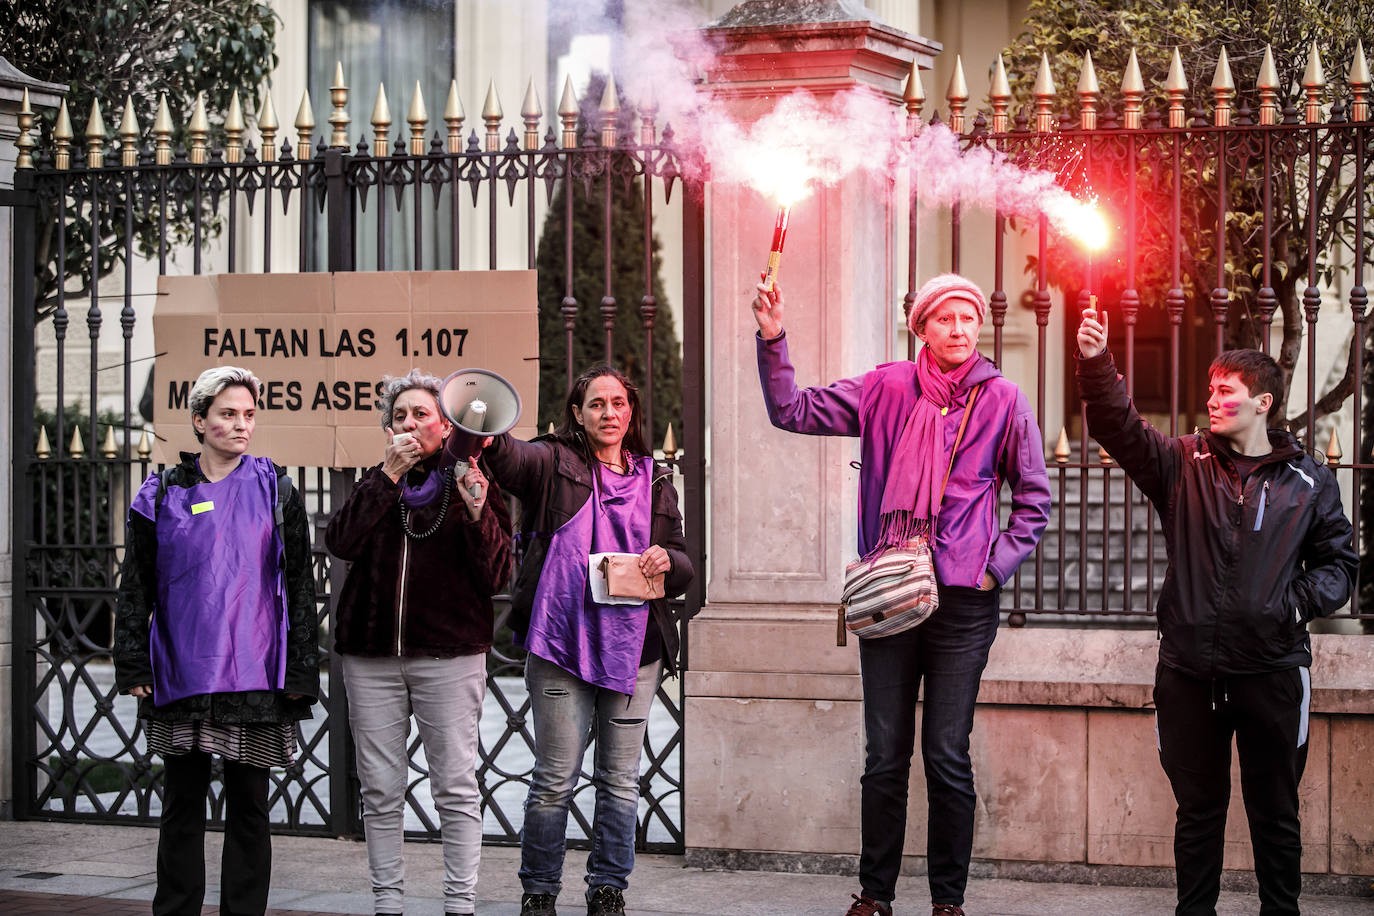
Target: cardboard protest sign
(321,343)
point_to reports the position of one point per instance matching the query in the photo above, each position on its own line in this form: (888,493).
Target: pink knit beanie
(937,290)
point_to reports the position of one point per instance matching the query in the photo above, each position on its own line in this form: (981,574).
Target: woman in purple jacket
(906,416)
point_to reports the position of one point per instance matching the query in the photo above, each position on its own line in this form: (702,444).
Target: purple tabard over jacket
(601,644)
(1002,443)
(220,622)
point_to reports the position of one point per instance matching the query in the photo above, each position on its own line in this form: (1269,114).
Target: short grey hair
(393,386)
(213,381)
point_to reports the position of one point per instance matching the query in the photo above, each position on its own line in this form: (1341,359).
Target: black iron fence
(84,217)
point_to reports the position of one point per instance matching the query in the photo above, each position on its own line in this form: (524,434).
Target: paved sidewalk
(78,869)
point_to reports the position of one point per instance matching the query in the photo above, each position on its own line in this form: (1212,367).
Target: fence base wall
(1063,747)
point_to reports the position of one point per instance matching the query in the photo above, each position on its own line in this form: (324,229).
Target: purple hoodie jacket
(1002,443)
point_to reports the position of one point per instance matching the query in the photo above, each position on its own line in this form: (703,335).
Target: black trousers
(246,864)
(1267,714)
(943,661)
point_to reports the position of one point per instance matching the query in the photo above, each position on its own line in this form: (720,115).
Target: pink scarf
(916,472)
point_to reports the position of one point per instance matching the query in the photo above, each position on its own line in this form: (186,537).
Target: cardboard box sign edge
(323,435)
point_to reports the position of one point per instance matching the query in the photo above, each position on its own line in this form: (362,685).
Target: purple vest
(601,644)
(220,620)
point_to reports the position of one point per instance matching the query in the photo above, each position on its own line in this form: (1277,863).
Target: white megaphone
(479,403)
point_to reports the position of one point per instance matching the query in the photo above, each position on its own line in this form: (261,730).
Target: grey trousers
(445,697)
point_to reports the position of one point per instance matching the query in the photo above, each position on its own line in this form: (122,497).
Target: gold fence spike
(305,128)
(1268,85)
(1358,81)
(1333,448)
(338,118)
(145,445)
(530,112)
(77,449)
(491,116)
(1132,93)
(233,130)
(1088,93)
(609,109)
(648,115)
(44,447)
(25,142)
(162,132)
(914,96)
(108,448)
(453,118)
(1061,447)
(1044,96)
(669,444)
(62,138)
(1176,87)
(418,119)
(199,131)
(1000,97)
(957,96)
(95,137)
(128,134)
(1313,82)
(551,429)
(1223,91)
(1102,455)
(567,113)
(381,123)
(267,127)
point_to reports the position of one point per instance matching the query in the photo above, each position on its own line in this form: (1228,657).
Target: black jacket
(137,599)
(553,481)
(1248,565)
(417,596)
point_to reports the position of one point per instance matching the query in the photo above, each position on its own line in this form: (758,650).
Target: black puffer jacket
(137,599)
(553,481)
(1249,564)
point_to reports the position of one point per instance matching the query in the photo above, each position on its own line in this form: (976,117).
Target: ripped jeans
(569,714)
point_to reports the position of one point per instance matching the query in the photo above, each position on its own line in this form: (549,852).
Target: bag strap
(958,438)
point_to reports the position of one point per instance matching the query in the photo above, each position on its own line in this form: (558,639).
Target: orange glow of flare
(1082,220)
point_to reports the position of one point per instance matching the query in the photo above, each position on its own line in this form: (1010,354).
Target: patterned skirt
(268,744)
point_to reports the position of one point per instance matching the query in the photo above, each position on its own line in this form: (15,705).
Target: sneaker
(867,906)
(606,901)
(947,909)
(538,905)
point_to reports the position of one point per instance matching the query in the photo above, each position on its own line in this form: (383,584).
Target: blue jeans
(948,652)
(569,714)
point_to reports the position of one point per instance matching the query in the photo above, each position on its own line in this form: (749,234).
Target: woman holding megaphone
(428,549)
(597,646)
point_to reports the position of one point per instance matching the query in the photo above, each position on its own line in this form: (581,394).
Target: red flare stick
(775,254)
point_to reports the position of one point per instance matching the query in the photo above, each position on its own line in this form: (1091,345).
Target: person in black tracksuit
(1258,544)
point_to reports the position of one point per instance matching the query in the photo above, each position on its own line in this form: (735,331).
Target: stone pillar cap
(42,94)
(786,12)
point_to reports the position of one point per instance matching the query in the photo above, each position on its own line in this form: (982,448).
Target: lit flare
(1081,220)
(785,175)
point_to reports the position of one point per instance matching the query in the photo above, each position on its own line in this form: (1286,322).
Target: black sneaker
(606,901)
(538,905)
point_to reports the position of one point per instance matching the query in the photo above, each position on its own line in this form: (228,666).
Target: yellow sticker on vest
(198,508)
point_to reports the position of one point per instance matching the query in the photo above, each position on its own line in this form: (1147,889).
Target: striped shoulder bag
(895,590)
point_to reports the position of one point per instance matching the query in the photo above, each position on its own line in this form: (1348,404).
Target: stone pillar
(41,95)
(773,741)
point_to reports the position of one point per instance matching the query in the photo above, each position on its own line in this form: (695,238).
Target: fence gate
(92,228)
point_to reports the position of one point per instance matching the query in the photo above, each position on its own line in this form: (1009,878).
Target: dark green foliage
(108,51)
(589,287)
